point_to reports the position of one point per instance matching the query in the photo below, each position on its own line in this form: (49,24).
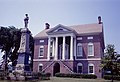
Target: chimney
(99,20)
(47,26)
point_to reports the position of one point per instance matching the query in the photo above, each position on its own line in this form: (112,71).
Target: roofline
(66,27)
(40,37)
(84,34)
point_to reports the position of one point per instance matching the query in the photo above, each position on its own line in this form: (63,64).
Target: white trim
(39,51)
(61,35)
(40,65)
(62,29)
(90,59)
(80,64)
(90,44)
(93,68)
(35,60)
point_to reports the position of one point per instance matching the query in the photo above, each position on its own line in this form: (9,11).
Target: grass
(58,79)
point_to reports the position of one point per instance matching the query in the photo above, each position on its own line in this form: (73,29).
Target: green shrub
(76,75)
(89,76)
(109,77)
(48,74)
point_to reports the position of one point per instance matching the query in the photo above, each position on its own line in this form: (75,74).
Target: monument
(24,52)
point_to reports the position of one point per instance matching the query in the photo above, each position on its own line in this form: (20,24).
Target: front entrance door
(56,68)
(66,51)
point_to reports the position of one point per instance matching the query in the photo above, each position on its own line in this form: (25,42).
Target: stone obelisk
(23,52)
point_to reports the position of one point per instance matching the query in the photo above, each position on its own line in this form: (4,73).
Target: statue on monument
(26,20)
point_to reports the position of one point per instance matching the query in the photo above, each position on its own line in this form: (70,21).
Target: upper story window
(79,68)
(79,49)
(51,50)
(90,68)
(41,41)
(40,66)
(90,49)
(91,37)
(79,38)
(41,51)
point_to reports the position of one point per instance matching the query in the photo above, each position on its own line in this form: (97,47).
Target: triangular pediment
(60,29)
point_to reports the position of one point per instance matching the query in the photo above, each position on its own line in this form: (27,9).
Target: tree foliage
(110,61)
(10,43)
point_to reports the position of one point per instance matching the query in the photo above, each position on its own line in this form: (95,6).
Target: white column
(53,48)
(75,47)
(71,48)
(63,51)
(56,48)
(49,43)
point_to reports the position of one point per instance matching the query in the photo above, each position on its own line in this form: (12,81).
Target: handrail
(69,69)
(48,66)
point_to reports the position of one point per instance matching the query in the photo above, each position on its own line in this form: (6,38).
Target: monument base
(22,63)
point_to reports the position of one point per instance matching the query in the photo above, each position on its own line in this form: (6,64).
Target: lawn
(58,79)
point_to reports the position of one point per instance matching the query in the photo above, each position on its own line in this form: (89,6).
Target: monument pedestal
(23,53)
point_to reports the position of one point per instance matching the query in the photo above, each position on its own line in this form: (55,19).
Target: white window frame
(90,37)
(81,53)
(91,44)
(43,51)
(41,41)
(79,38)
(89,68)
(39,66)
(51,51)
(80,64)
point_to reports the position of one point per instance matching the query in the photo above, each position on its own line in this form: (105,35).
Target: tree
(10,43)
(109,61)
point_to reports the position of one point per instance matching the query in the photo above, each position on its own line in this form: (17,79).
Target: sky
(65,12)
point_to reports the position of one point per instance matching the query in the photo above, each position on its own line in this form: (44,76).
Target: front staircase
(51,63)
(67,67)
(47,66)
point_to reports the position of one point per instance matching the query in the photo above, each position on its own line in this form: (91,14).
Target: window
(41,41)
(79,49)
(90,49)
(40,67)
(79,68)
(79,38)
(91,69)
(90,37)
(51,50)
(41,52)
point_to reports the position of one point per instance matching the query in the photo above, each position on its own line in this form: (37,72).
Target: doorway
(56,68)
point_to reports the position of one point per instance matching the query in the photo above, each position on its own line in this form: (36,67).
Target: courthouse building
(69,49)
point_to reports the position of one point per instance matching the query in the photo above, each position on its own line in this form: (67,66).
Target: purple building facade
(69,49)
